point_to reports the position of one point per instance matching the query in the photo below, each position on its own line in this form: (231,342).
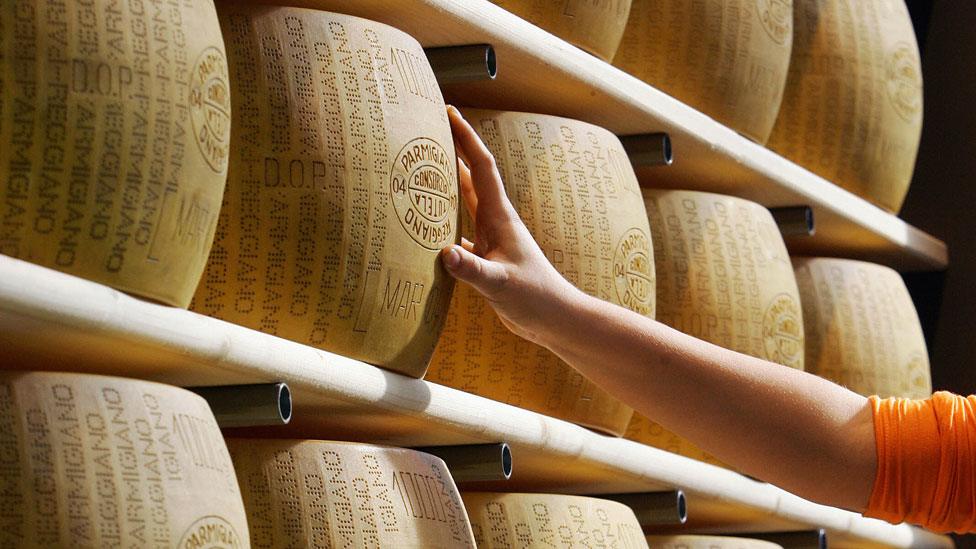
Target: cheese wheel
(593,26)
(862,329)
(852,111)
(95,461)
(707,542)
(576,192)
(342,188)
(310,493)
(723,275)
(114,133)
(502,521)
(727,59)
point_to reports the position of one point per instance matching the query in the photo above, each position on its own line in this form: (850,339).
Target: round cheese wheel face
(852,111)
(595,27)
(723,275)
(707,542)
(115,125)
(310,493)
(576,192)
(342,188)
(99,461)
(501,521)
(862,328)
(727,59)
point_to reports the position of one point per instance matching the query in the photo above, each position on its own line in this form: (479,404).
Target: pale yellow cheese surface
(707,542)
(592,25)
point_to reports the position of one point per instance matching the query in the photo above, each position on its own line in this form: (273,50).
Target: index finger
(484,175)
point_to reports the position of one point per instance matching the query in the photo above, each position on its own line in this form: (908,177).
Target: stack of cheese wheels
(707,542)
(595,27)
(501,521)
(576,192)
(342,188)
(309,493)
(727,59)
(852,111)
(723,275)
(862,329)
(115,127)
(98,461)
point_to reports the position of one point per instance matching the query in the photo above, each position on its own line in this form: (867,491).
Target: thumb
(485,276)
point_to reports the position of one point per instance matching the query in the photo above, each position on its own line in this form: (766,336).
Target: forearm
(781,425)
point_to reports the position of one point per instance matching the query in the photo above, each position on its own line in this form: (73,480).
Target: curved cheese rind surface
(342,188)
(310,493)
(862,328)
(576,192)
(723,275)
(115,124)
(592,25)
(852,111)
(101,461)
(501,521)
(727,59)
(707,542)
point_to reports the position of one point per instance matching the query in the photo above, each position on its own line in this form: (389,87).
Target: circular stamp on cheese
(904,81)
(424,194)
(783,332)
(776,17)
(210,108)
(211,532)
(707,542)
(633,270)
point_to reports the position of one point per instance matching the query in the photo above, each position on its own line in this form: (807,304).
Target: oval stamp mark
(210,532)
(210,108)
(783,332)
(423,186)
(776,17)
(904,81)
(633,272)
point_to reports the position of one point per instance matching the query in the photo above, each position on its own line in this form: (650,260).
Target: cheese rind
(576,192)
(501,521)
(342,188)
(862,329)
(102,461)
(311,493)
(115,125)
(852,110)
(727,59)
(707,542)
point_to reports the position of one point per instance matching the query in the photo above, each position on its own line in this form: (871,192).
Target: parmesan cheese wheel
(95,461)
(723,275)
(592,25)
(114,134)
(304,493)
(575,191)
(852,111)
(862,329)
(502,521)
(342,188)
(707,542)
(728,59)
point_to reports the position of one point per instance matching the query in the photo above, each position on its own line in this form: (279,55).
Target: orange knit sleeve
(926,462)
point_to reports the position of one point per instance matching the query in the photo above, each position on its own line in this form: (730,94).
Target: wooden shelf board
(538,72)
(54,321)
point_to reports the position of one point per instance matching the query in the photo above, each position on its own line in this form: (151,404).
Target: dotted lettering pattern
(726,59)
(852,111)
(592,25)
(862,328)
(316,243)
(101,175)
(575,191)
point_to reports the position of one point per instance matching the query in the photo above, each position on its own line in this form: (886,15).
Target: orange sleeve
(926,462)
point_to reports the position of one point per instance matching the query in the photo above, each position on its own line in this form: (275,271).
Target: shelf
(538,72)
(54,321)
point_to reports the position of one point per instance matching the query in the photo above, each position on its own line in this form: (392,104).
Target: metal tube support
(794,220)
(264,404)
(649,149)
(806,539)
(654,508)
(475,462)
(459,64)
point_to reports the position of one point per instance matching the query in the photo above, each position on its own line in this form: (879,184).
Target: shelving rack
(53,321)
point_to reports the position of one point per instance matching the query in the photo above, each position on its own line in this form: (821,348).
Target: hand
(504,263)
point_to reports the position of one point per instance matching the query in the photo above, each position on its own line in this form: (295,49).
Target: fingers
(485,179)
(487,277)
(467,244)
(467,191)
